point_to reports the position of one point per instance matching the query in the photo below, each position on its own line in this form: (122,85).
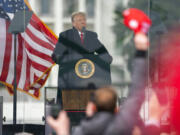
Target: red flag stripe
(7,55)
(34,45)
(51,37)
(10,75)
(23,77)
(36,75)
(19,59)
(41,81)
(27,81)
(37,53)
(39,41)
(36,72)
(10,90)
(42,35)
(39,60)
(3,42)
(38,66)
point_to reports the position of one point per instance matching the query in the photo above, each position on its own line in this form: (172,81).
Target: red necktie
(82,38)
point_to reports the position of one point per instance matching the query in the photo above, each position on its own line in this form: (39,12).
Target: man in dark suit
(75,44)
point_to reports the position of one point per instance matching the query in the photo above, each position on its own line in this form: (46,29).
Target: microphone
(83,31)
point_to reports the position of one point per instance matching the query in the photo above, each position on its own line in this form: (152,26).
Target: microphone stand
(18,25)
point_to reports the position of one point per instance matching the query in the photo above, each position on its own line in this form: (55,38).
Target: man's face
(79,22)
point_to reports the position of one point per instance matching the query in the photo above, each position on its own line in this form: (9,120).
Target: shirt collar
(80,32)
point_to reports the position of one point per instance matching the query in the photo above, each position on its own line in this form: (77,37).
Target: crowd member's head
(105,99)
(78,20)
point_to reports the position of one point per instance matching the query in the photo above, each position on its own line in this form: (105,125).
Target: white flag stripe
(23,70)
(37,85)
(31,91)
(37,72)
(44,76)
(38,60)
(38,34)
(10,75)
(36,46)
(31,75)
(2,42)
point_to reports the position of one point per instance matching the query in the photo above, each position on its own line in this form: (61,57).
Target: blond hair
(77,13)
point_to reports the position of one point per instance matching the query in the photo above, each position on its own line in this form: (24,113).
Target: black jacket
(95,125)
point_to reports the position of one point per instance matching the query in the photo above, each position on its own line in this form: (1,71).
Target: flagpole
(18,25)
(15,82)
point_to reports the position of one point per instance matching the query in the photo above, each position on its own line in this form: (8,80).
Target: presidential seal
(84,68)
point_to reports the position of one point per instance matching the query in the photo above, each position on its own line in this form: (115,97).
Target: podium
(81,78)
(80,73)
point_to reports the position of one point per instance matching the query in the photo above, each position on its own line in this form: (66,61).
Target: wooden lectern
(75,99)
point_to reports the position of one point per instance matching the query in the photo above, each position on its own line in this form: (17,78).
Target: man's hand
(141,41)
(61,125)
(90,109)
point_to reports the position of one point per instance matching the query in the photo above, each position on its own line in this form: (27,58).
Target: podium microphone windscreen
(83,29)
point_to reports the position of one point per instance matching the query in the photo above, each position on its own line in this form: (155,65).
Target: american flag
(34,49)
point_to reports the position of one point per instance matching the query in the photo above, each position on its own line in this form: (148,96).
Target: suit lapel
(85,38)
(76,37)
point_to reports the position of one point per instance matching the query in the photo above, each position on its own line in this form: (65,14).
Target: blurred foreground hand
(61,125)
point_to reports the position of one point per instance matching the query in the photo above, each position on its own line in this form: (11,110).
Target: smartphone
(51,110)
(55,109)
